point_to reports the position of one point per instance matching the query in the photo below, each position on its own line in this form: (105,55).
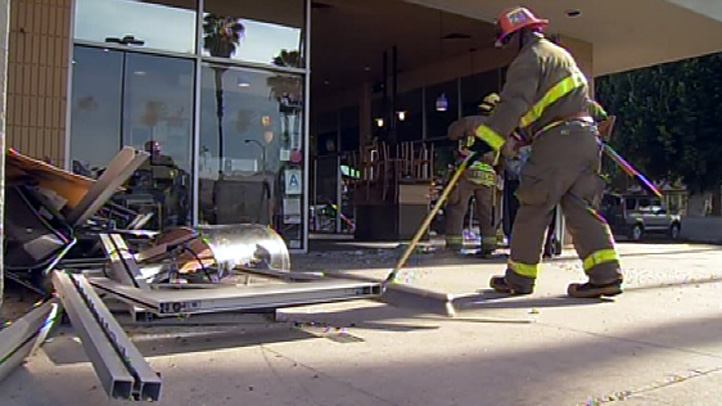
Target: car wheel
(674,231)
(637,232)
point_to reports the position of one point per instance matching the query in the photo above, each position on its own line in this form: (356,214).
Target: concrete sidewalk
(658,344)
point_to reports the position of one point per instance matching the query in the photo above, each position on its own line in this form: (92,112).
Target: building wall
(38,77)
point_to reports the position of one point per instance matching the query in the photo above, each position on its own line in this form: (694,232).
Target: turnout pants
(456,211)
(563,168)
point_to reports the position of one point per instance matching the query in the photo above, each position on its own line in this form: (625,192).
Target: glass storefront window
(158,105)
(350,128)
(95,108)
(251,149)
(145,101)
(168,25)
(251,130)
(158,118)
(326,133)
(267,32)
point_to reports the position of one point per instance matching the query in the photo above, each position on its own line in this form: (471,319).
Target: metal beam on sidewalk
(121,368)
(172,302)
(20,338)
(117,172)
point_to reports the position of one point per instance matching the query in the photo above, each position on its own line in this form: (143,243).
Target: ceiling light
(379,122)
(242,82)
(401,115)
(442,103)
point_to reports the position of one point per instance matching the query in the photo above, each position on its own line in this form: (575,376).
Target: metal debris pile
(70,242)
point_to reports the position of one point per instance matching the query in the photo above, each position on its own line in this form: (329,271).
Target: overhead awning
(624,34)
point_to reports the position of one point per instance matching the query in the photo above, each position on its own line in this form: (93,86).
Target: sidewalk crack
(669,381)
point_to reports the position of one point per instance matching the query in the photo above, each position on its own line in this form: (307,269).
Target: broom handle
(429,217)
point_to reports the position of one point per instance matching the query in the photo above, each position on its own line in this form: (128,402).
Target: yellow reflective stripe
(482,174)
(489,240)
(561,89)
(483,167)
(454,238)
(490,137)
(482,182)
(530,271)
(600,257)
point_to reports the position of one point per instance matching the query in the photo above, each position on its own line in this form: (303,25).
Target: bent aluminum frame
(121,368)
(118,171)
(175,302)
(24,335)
(122,264)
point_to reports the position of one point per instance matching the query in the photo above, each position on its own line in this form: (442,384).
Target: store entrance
(383,94)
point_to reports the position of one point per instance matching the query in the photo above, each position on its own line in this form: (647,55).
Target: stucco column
(4,29)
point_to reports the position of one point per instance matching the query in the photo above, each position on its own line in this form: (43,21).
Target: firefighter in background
(479,181)
(547,96)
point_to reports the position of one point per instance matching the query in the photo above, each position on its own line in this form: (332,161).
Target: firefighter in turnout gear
(479,181)
(547,97)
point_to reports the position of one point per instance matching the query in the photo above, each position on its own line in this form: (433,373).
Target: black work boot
(591,290)
(486,253)
(512,283)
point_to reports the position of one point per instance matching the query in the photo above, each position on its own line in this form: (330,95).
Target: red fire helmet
(514,19)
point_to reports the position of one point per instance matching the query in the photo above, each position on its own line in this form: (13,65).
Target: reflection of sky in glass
(173,29)
(161,27)
(262,42)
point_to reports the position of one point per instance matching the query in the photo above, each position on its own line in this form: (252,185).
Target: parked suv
(637,215)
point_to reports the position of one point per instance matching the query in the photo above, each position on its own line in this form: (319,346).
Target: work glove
(479,147)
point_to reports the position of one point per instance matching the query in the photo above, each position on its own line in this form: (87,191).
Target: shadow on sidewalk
(574,369)
(488,299)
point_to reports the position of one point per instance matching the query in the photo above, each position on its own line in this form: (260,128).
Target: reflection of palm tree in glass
(288,59)
(221,37)
(286,89)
